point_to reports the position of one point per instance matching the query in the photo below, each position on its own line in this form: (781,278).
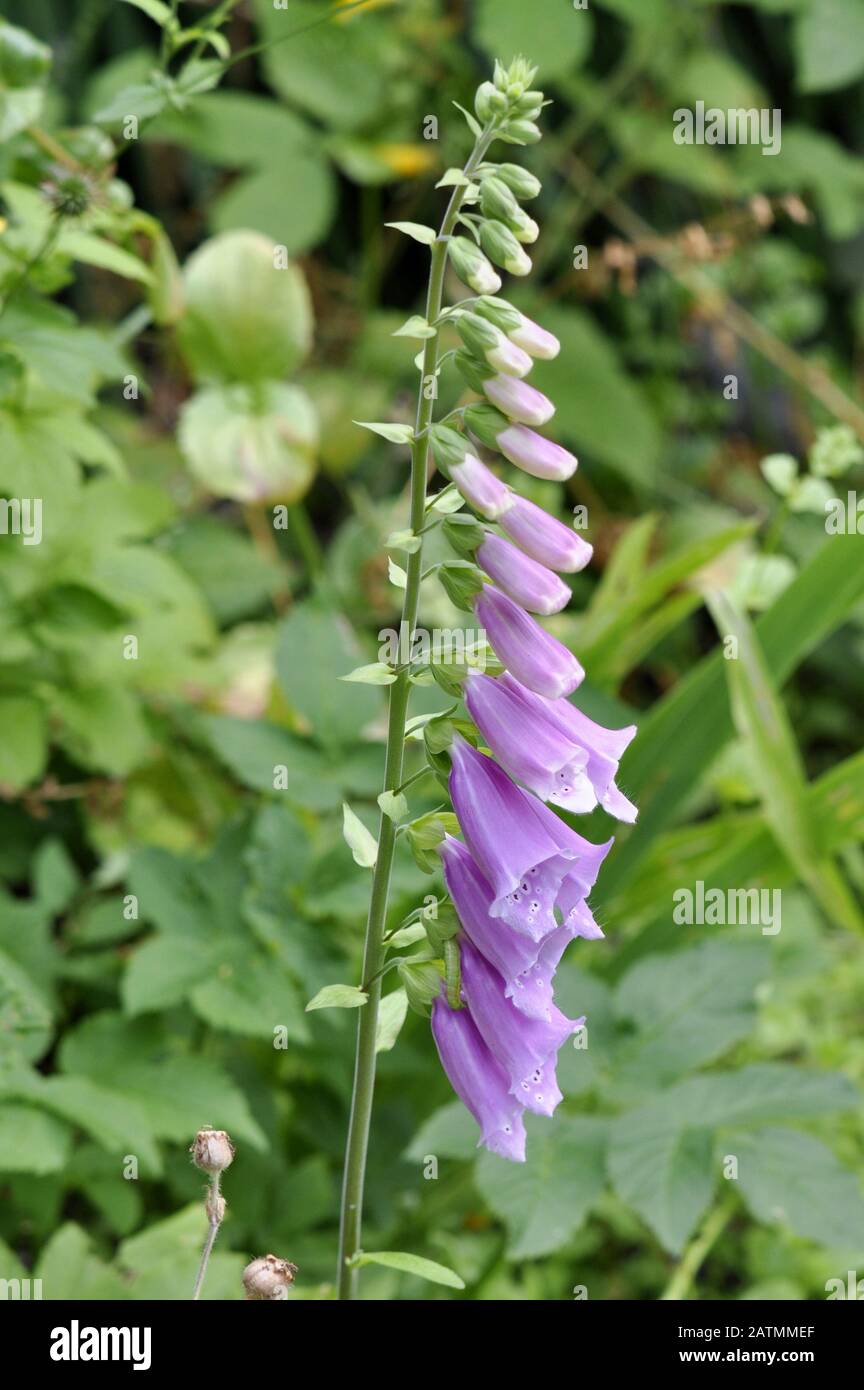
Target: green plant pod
(248,315)
(253,444)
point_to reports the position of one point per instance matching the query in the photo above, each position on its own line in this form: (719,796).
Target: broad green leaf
(338,69)
(363,845)
(829,45)
(687,1008)
(116,1122)
(162,971)
(504,28)
(70,1271)
(664,1172)
(412,1264)
(161,1261)
(31,1141)
(545,1200)
(794,1180)
(449,1133)
(24,747)
(760,718)
(338,997)
(314,647)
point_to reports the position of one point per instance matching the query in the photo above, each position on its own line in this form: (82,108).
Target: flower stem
(214,1219)
(367,1024)
(697,1251)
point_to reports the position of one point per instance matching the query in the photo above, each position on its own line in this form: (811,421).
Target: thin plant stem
(367,1024)
(214,1207)
(697,1251)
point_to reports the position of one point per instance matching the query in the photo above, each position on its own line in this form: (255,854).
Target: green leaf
(161,972)
(404,540)
(69,1270)
(599,408)
(392,1012)
(161,1261)
(412,1264)
(557,45)
(688,727)
(314,647)
(394,805)
(339,70)
(378,673)
(829,45)
(31,1141)
(24,747)
(780,470)
(688,1007)
(395,573)
(157,10)
(363,846)
(761,719)
(55,877)
(415,327)
(416,230)
(450,1132)
(338,997)
(664,1172)
(396,434)
(794,1180)
(545,1200)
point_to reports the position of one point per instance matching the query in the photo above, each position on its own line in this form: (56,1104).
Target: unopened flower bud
(485,340)
(520,132)
(524,228)
(497,200)
(501,246)
(268,1279)
(212,1150)
(518,180)
(472,266)
(482,101)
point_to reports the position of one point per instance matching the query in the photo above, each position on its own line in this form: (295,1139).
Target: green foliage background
(127,397)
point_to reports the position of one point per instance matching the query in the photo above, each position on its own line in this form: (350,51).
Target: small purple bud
(531,585)
(518,400)
(536,455)
(479,1081)
(545,539)
(534,656)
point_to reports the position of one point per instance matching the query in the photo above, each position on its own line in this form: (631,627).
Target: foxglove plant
(519,877)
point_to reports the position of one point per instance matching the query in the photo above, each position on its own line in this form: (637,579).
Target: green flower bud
(499,312)
(501,246)
(520,132)
(472,266)
(482,101)
(474,372)
(496,200)
(518,180)
(464,533)
(486,423)
(461,582)
(448,446)
(425,834)
(478,334)
(421,980)
(524,228)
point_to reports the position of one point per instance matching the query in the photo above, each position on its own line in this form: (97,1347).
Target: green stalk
(697,1251)
(373,951)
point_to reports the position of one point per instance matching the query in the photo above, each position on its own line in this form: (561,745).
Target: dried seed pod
(268,1279)
(212,1150)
